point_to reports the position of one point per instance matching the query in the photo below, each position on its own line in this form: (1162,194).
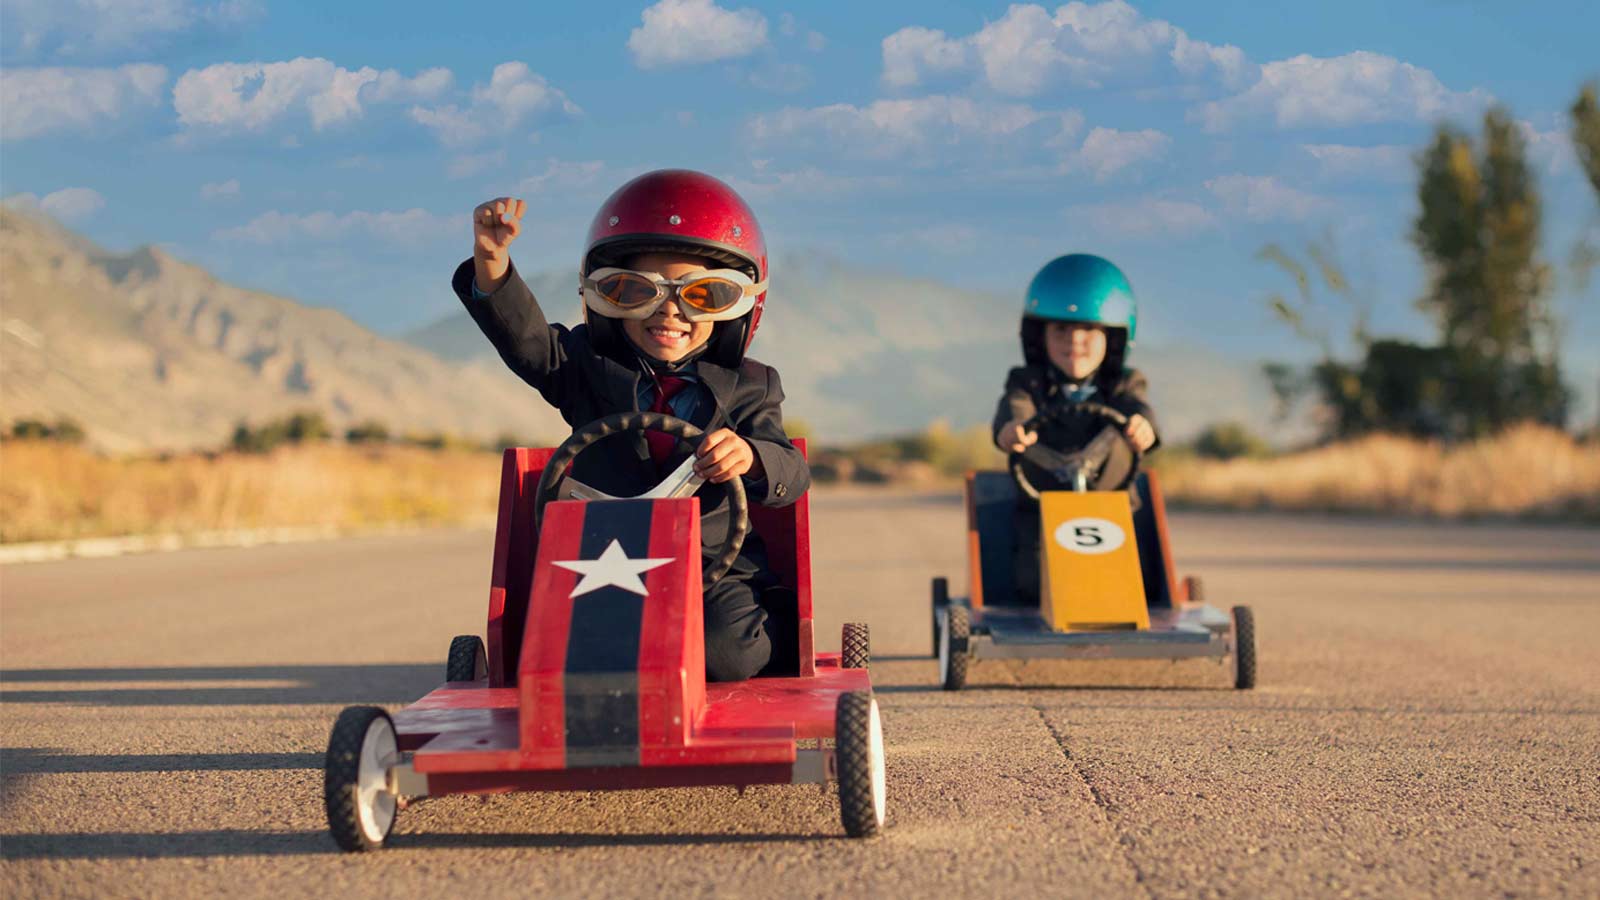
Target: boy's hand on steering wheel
(1141,432)
(495,225)
(724,456)
(1014,438)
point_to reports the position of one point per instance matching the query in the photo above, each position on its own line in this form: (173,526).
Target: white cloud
(1262,198)
(1384,162)
(1144,217)
(1552,150)
(46,101)
(559,173)
(1083,44)
(71,204)
(515,94)
(234,97)
(392,87)
(789,26)
(680,32)
(79,27)
(893,128)
(911,52)
(1355,89)
(1107,151)
(220,190)
(411,226)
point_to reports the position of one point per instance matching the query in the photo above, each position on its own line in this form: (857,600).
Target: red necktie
(661,443)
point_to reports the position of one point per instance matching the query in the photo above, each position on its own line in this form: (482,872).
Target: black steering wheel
(682,482)
(1080,467)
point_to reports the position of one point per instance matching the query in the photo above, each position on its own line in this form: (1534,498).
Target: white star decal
(613,568)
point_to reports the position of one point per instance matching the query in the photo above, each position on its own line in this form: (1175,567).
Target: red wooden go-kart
(594,673)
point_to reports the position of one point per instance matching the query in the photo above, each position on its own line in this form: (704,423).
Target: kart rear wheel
(467,660)
(361,808)
(941,598)
(858,750)
(954,627)
(1194,590)
(857,644)
(1244,648)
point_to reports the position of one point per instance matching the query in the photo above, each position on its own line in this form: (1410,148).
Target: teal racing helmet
(1080,287)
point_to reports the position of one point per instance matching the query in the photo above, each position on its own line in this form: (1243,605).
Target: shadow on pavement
(305,685)
(1556,564)
(200,844)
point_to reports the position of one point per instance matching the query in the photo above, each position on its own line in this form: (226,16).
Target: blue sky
(332,156)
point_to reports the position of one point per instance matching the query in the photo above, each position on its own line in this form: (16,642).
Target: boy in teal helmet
(1078,324)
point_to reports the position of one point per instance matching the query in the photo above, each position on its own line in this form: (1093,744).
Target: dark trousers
(752,626)
(1025,557)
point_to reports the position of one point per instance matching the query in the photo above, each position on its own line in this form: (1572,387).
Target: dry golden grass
(51,491)
(1526,472)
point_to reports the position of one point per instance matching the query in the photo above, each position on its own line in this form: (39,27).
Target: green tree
(1229,440)
(1586,132)
(1586,143)
(1478,232)
(370,431)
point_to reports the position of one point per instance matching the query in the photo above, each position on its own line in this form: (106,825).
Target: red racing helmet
(679,211)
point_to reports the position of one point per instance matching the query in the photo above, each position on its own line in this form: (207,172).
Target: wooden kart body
(1108,588)
(605,688)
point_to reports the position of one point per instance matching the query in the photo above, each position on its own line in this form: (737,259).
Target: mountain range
(868,354)
(148,352)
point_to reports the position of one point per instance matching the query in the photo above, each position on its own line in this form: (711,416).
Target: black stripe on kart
(602,675)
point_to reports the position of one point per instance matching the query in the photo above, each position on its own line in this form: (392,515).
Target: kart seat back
(991,539)
(786,532)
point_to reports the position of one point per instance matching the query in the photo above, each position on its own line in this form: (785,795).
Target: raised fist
(495,225)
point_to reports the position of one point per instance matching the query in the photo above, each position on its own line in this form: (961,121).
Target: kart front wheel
(954,627)
(857,644)
(361,808)
(941,598)
(858,748)
(1244,648)
(467,660)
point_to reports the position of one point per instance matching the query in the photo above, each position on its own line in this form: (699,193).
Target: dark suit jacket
(584,385)
(1032,388)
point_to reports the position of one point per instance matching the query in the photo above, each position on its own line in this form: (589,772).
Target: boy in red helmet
(673,279)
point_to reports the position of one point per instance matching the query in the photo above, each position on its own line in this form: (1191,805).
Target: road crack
(1124,841)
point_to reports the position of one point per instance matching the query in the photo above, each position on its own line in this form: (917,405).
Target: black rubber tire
(960,619)
(1194,590)
(341,777)
(854,754)
(467,660)
(941,597)
(1244,648)
(857,646)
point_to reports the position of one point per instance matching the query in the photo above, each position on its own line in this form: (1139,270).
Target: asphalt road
(1428,723)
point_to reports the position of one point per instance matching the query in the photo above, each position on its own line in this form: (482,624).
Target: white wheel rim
(944,643)
(374,804)
(875,762)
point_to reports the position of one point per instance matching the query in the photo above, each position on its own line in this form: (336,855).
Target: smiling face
(667,335)
(1075,348)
